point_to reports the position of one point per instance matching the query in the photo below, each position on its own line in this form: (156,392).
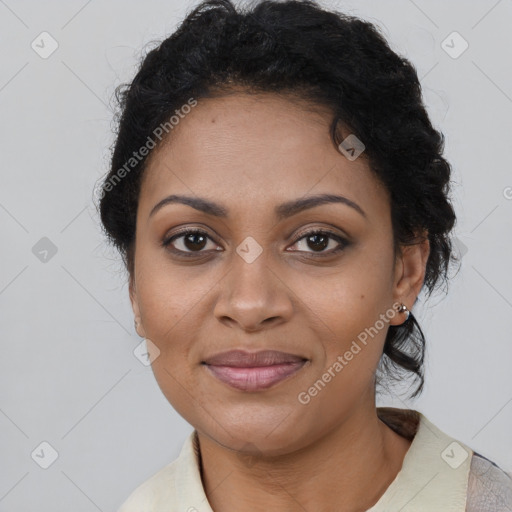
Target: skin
(265,450)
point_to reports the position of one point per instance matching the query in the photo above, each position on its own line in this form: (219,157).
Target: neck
(349,469)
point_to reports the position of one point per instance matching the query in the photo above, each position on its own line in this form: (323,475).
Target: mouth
(253,371)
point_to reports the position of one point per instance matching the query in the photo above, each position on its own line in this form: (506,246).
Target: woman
(280,198)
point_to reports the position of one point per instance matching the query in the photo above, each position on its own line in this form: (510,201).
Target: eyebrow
(282,211)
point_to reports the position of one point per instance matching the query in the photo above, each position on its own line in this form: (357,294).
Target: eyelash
(342,241)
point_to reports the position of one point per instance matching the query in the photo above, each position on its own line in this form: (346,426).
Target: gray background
(68,373)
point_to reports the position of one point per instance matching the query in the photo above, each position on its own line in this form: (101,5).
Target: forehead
(263,148)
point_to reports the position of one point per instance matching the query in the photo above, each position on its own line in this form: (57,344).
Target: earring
(403,309)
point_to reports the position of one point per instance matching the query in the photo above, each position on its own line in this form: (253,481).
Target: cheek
(173,302)
(166,292)
(164,300)
(350,310)
(167,301)
(352,337)
(353,297)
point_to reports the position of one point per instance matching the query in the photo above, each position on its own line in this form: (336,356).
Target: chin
(260,436)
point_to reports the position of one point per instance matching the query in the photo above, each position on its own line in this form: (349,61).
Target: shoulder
(159,488)
(174,488)
(489,487)
(472,482)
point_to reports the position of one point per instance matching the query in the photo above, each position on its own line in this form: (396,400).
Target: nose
(252,296)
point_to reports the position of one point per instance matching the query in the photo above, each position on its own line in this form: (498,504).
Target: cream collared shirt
(438,474)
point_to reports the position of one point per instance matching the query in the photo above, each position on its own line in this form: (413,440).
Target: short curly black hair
(327,58)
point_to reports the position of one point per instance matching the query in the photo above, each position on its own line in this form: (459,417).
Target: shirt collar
(434,473)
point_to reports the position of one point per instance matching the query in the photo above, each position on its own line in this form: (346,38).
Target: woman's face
(257,277)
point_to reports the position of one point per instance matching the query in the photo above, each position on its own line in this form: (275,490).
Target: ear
(410,270)
(135,307)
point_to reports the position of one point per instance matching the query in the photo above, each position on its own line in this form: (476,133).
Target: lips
(248,371)
(243,359)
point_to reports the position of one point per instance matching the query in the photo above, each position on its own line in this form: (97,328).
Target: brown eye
(194,241)
(317,242)
(189,241)
(320,240)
